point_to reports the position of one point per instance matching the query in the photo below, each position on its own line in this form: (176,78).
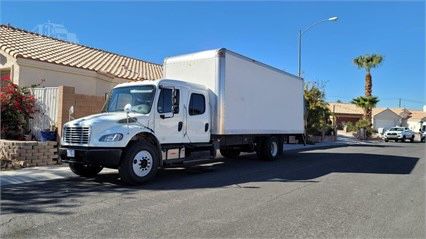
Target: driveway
(374,190)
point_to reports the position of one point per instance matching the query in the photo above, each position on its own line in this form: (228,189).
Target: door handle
(206,127)
(180,125)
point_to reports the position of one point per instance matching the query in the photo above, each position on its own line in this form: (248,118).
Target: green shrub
(350,127)
(360,124)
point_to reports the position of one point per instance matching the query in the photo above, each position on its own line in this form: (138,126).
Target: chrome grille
(76,135)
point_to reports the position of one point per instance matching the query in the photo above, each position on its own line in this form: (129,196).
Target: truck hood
(104,118)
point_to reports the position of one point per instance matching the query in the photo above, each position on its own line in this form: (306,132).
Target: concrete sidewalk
(33,174)
(42,173)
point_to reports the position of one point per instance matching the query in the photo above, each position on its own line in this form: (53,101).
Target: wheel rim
(142,163)
(274,148)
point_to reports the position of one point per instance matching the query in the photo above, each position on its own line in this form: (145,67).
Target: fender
(148,137)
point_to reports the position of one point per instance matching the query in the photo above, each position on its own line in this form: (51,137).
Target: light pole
(301,32)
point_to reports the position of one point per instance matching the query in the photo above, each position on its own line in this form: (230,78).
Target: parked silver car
(399,134)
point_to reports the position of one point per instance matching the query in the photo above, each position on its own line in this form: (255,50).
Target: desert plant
(350,127)
(17,107)
(365,125)
(318,114)
(368,62)
(367,103)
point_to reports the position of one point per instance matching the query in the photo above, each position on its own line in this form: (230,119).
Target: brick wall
(83,105)
(20,154)
(87,105)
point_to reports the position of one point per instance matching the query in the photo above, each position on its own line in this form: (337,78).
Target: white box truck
(208,101)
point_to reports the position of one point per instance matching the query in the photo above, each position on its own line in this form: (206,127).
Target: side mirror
(128,108)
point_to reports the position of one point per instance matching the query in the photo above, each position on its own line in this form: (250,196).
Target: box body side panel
(260,100)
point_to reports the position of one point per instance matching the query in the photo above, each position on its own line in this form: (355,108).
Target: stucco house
(28,58)
(384,118)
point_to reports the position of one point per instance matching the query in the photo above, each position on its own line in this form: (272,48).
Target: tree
(318,114)
(367,103)
(368,62)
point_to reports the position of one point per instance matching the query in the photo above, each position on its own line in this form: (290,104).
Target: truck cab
(140,122)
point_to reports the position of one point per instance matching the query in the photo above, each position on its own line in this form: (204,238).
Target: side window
(197,104)
(165,101)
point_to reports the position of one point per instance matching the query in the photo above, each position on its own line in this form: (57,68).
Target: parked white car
(399,134)
(423,132)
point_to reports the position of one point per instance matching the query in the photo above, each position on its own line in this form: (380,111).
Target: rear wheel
(85,170)
(269,149)
(403,139)
(139,164)
(230,153)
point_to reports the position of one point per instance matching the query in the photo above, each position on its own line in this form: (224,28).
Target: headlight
(111,137)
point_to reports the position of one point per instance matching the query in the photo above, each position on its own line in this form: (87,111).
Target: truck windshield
(140,97)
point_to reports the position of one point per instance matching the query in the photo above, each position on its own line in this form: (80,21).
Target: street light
(301,32)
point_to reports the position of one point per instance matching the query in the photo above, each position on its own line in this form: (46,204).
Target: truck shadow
(60,196)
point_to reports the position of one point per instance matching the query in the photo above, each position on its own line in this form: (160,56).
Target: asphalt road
(353,191)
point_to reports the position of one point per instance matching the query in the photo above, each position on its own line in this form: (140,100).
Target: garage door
(384,123)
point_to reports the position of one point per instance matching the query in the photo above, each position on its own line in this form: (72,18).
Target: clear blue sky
(266,31)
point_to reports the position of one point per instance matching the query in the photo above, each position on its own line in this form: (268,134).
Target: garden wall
(20,154)
(83,105)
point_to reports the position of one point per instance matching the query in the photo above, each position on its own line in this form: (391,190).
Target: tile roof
(346,108)
(417,115)
(24,44)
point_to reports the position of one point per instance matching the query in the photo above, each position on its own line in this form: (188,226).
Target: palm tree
(368,62)
(366,103)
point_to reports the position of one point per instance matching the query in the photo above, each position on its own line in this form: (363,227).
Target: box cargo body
(246,96)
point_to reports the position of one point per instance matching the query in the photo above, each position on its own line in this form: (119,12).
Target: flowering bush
(17,107)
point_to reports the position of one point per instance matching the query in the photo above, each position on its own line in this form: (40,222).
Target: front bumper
(107,157)
(393,136)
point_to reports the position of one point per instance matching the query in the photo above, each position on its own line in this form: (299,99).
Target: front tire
(412,139)
(85,170)
(386,140)
(269,149)
(139,164)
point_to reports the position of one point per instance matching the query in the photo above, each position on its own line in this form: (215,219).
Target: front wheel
(412,139)
(139,164)
(85,170)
